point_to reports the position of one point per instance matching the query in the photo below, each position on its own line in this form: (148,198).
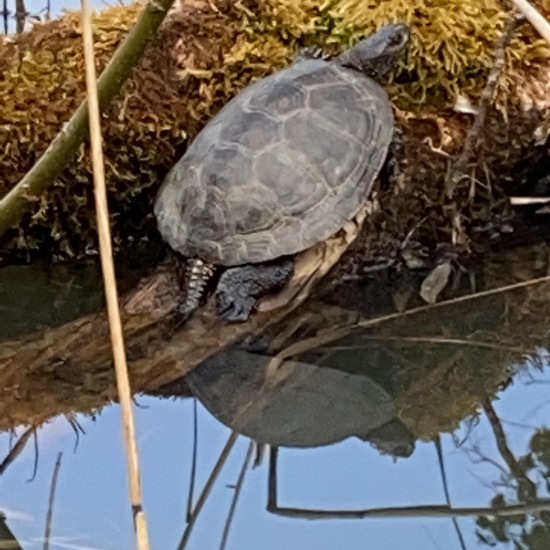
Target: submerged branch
(433,510)
(17,449)
(53,488)
(238,489)
(527,489)
(222,459)
(441,461)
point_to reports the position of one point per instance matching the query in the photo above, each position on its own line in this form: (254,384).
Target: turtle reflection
(298,404)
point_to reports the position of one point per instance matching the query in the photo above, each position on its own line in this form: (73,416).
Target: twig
(62,149)
(207,488)
(20,16)
(534,17)
(238,488)
(330,335)
(528,201)
(193,475)
(53,488)
(527,488)
(435,340)
(109,281)
(437,443)
(17,449)
(459,170)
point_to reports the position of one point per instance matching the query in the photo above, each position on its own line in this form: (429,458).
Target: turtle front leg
(311,52)
(240,288)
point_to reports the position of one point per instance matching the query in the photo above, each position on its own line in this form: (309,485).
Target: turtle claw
(310,52)
(174,322)
(240,288)
(233,309)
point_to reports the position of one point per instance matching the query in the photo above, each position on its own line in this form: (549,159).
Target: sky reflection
(92,511)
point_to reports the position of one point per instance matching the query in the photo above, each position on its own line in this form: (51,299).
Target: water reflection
(34,296)
(298,404)
(469,379)
(345,476)
(44,295)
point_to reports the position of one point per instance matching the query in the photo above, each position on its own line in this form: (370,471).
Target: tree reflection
(526,480)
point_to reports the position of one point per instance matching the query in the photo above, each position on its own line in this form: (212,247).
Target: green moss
(203,56)
(44,85)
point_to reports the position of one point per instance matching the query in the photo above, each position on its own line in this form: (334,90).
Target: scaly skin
(197,276)
(240,288)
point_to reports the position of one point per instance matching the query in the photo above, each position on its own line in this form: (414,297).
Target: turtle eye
(399,39)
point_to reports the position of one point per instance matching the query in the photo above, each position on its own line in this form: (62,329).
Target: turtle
(301,405)
(281,167)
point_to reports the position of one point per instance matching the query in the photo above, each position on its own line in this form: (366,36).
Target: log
(67,368)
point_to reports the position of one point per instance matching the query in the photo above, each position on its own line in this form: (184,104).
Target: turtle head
(376,55)
(392,438)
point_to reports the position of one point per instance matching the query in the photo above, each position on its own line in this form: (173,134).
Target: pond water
(494,452)
(91,508)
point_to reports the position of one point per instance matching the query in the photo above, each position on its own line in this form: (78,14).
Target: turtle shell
(302,405)
(282,166)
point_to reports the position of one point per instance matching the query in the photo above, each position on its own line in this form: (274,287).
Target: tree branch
(62,149)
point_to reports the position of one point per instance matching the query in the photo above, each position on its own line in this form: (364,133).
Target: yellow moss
(452,45)
(204,55)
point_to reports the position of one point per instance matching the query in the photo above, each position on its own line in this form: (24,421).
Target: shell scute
(282,166)
(282,98)
(252,129)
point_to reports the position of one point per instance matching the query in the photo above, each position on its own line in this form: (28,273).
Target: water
(91,508)
(431,369)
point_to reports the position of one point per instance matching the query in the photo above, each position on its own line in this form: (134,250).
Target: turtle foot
(240,288)
(310,52)
(234,309)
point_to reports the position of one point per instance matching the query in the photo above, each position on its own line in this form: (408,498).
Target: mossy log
(205,53)
(208,50)
(68,141)
(448,356)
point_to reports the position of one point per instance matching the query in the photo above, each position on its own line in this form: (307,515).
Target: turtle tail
(198,274)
